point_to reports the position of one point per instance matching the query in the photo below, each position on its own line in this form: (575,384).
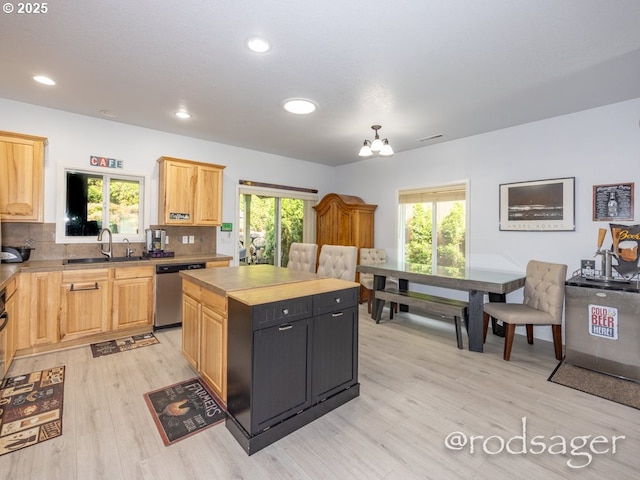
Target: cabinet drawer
(133,272)
(81,276)
(333,301)
(271,314)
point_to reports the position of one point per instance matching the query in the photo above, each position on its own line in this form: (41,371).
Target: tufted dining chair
(338,261)
(373,256)
(302,256)
(543,304)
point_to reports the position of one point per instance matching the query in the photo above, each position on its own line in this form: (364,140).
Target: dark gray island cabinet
(292,357)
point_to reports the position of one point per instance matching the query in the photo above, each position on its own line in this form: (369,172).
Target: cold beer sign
(603,321)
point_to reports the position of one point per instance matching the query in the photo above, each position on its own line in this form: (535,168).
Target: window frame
(432,194)
(143,215)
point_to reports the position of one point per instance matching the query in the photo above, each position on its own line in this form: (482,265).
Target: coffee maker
(155,240)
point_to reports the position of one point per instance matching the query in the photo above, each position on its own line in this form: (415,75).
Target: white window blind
(441,193)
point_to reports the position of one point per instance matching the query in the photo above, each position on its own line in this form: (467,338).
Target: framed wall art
(613,202)
(538,206)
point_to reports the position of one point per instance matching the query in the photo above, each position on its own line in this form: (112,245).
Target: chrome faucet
(102,250)
(129,250)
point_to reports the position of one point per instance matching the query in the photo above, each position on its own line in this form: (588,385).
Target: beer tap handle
(602,232)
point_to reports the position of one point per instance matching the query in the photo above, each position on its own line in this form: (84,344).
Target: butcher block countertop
(247,283)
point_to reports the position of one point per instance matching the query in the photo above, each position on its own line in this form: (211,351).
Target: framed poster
(538,206)
(613,202)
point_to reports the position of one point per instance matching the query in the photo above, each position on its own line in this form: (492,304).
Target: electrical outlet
(166,239)
(192,239)
(185,239)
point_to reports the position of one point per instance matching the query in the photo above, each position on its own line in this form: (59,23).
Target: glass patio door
(269,221)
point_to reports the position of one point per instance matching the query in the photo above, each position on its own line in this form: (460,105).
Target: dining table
(496,284)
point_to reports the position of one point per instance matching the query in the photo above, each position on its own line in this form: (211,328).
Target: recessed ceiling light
(258,45)
(183,114)
(44,80)
(299,106)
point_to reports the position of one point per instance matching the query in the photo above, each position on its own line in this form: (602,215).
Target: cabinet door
(132,302)
(21,178)
(85,308)
(40,301)
(191,329)
(11,330)
(208,196)
(213,350)
(177,193)
(281,373)
(335,352)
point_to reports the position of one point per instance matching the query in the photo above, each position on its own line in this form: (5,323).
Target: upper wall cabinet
(190,193)
(21,177)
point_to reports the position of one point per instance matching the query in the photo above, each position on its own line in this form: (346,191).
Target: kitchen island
(279,347)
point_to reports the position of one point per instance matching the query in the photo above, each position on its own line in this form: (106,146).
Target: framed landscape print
(538,206)
(613,202)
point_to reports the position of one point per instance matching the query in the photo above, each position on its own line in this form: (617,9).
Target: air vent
(431,137)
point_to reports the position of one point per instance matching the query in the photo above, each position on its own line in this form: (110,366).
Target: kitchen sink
(71,261)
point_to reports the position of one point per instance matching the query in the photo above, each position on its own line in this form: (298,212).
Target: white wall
(73,138)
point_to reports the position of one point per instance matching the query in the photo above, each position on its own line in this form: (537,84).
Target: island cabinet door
(335,353)
(281,373)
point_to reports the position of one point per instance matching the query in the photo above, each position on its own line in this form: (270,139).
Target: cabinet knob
(285,311)
(337,300)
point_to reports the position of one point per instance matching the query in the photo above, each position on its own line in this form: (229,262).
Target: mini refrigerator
(602,326)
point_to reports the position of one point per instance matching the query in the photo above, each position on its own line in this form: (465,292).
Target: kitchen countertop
(8,270)
(224,280)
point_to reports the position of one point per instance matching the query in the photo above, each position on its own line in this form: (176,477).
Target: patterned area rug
(122,344)
(616,389)
(184,409)
(31,409)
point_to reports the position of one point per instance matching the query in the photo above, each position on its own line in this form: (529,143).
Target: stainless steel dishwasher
(169,294)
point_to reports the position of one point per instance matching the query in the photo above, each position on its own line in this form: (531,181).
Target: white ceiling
(417,67)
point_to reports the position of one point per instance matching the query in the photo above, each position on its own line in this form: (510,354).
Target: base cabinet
(85,303)
(289,362)
(132,297)
(204,335)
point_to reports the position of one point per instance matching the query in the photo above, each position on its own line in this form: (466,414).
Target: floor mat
(616,389)
(184,409)
(31,409)
(123,344)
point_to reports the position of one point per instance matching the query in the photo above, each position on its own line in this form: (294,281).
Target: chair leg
(557,340)
(458,332)
(485,327)
(529,333)
(392,307)
(369,300)
(509,330)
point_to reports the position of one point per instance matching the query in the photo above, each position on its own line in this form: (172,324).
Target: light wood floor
(416,389)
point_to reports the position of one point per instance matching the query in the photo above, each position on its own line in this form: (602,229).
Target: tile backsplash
(42,236)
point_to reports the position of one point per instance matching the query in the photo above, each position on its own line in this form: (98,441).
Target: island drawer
(276,313)
(335,301)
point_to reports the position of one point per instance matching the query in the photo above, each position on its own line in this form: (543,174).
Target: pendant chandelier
(377,146)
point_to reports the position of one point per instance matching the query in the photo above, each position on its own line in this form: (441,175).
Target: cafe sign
(104,162)
(603,321)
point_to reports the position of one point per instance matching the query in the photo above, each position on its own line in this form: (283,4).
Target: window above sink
(100,198)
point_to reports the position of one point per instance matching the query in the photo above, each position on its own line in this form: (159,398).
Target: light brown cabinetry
(21,177)
(204,335)
(191,323)
(132,297)
(39,302)
(189,193)
(85,303)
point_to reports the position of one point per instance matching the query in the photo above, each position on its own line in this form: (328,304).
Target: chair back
(302,256)
(371,256)
(338,261)
(544,288)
